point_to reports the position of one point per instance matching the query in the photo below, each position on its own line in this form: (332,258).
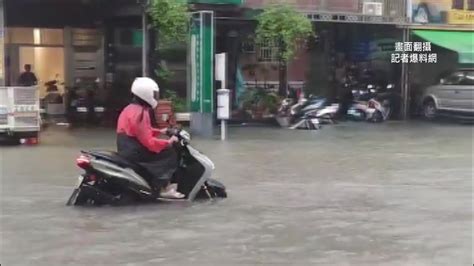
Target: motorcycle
(373,104)
(380,108)
(358,109)
(85,109)
(290,109)
(321,112)
(112,180)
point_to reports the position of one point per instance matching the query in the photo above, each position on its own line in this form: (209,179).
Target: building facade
(448,25)
(357,32)
(100,42)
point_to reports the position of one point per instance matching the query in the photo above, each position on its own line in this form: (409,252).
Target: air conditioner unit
(372,9)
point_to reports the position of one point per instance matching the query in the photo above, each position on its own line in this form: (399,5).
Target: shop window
(51,36)
(36,36)
(129,37)
(44,68)
(458,4)
(248,45)
(267,51)
(470,4)
(20,35)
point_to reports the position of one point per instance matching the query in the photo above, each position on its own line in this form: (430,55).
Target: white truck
(19,113)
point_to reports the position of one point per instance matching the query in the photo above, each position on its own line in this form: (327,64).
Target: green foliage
(270,102)
(258,99)
(179,104)
(170,18)
(284,25)
(175,53)
(163,74)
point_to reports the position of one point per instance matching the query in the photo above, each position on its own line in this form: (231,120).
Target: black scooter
(111,180)
(83,109)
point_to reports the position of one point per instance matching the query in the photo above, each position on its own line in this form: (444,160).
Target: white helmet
(145,88)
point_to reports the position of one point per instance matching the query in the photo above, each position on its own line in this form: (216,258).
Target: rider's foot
(171,193)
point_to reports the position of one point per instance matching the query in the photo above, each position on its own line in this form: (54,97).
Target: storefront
(67,55)
(93,44)
(447,25)
(347,31)
(60,41)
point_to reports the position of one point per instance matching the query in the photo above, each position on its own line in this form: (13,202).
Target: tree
(170,19)
(287,28)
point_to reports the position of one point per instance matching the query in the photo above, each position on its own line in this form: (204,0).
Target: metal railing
(392,11)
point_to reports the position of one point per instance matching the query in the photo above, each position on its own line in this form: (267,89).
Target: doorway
(46,62)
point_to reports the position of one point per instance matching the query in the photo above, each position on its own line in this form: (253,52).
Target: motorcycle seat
(117,159)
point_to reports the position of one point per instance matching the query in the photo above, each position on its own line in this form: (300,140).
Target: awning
(461,42)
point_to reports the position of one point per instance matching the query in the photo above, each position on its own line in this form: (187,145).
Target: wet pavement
(351,194)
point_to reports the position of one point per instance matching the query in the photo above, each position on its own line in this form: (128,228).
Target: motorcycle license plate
(79,181)
(81,109)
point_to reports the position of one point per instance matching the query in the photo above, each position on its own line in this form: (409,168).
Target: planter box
(283,121)
(164,114)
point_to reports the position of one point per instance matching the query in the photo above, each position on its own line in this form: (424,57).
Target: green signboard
(202,64)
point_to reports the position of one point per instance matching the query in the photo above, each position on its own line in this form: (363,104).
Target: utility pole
(2,45)
(405,82)
(144,4)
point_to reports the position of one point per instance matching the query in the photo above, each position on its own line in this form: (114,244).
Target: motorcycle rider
(137,138)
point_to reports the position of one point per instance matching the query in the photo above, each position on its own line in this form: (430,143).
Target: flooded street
(351,194)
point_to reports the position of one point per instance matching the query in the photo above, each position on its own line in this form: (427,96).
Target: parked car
(454,95)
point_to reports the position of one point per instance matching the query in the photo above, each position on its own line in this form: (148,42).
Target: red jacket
(134,121)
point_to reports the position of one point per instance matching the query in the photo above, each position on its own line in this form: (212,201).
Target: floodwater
(351,194)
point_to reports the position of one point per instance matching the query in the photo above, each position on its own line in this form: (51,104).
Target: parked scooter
(358,109)
(373,104)
(83,108)
(322,112)
(291,110)
(378,110)
(380,107)
(111,180)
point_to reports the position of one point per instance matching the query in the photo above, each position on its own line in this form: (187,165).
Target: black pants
(160,165)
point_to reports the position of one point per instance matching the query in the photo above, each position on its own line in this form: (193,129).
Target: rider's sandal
(171,194)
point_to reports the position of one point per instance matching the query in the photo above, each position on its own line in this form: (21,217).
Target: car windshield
(468,78)
(453,79)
